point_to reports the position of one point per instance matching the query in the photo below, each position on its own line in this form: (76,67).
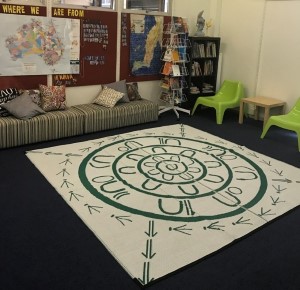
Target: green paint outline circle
(86,183)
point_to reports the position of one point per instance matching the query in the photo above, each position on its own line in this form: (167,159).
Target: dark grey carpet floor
(44,245)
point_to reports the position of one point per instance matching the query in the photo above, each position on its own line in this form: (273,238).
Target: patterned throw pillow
(133,92)
(120,86)
(23,107)
(7,95)
(53,97)
(108,97)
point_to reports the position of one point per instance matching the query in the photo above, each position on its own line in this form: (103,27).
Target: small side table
(265,102)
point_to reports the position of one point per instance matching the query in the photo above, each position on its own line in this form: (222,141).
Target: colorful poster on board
(35,45)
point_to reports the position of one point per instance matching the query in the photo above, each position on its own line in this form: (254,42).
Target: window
(148,5)
(95,3)
(26,2)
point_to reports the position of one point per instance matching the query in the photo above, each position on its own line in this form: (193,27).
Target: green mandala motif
(170,178)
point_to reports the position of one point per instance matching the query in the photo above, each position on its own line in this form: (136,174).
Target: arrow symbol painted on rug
(239,147)
(63,172)
(201,138)
(98,143)
(72,155)
(151,232)
(267,163)
(181,229)
(278,189)
(149,254)
(52,153)
(214,226)
(121,218)
(241,221)
(220,142)
(114,138)
(182,130)
(146,274)
(40,152)
(93,207)
(87,149)
(262,213)
(253,154)
(66,183)
(66,162)
(278,172)
(75,195)
(283,180)
(276,201)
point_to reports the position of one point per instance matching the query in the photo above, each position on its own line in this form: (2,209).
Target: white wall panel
(279,70)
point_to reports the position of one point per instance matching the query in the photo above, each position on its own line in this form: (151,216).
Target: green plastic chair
(228,96)
(289,121)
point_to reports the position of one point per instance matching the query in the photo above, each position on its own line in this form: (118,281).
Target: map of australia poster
(145,44)
(39,45)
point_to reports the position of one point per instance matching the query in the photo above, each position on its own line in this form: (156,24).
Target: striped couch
(76,120)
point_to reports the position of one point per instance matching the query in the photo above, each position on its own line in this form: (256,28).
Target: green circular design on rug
(175,168)
(169,169)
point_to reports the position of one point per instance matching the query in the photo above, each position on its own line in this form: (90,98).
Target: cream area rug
(162,198)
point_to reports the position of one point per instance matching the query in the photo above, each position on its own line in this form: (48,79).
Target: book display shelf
(174,69)
(203,67)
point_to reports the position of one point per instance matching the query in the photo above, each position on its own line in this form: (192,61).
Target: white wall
(240,31)
(280,61)
(260,45)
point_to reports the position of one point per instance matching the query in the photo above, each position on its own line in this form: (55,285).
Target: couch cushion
(49,126)
(122,114)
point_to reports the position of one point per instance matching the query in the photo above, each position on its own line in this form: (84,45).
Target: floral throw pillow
(53,97)
(108,97)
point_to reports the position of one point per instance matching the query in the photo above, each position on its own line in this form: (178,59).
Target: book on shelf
(208,68)
(174,83)
(198,50)
(165,83)
(168,54)
(167,68)
(196,69)
(207,88)
(166,97)
(175,55)
(176,70)
(211,49)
